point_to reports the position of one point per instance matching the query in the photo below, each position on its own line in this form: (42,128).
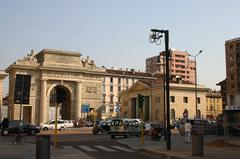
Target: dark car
(19,127)
(102,127)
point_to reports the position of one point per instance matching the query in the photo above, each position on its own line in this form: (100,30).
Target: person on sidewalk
(187,129)
(148,129)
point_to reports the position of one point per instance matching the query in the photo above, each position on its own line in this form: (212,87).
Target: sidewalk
(181,150)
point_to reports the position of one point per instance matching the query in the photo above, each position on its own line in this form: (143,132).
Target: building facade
(86,91)
(180,65)
(223,85)
(182,100)
(114,82)
(232,53)
(55,73)
(3,75)
(214,104)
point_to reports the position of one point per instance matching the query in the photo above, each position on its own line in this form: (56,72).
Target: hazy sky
(115,33)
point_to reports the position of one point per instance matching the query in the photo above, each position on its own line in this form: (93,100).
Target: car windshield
(48,122)
(117,122)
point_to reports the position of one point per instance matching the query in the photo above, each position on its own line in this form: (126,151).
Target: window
(111,79)
(119,99)
(232,76)
(111,99)
(104,98)
(198,100)
(119,80)
(172,116)
(111,89)
(119,89)
(232,99)
(127,81)
(103,88)
(185,99)
(172,98)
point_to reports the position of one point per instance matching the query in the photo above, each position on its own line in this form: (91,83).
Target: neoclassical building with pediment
(80,80)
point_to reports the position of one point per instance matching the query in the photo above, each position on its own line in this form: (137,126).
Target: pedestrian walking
(187,129)
(148,129)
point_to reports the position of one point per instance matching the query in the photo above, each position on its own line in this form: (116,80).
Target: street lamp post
(164,93)
(155,37)
(195,59)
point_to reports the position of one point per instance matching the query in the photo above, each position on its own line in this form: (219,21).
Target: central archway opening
(60,94)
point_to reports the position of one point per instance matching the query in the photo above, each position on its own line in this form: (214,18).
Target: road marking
(122,149)
(105,148)
(78,152)
(86,148)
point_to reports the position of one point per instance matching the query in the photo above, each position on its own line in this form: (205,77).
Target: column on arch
(78,100)
(43,105)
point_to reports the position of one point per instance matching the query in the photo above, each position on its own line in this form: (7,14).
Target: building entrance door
(27,114)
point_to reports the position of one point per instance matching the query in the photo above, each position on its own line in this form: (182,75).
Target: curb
(162,154)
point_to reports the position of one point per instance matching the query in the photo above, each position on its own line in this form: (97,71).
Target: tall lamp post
(195,59)
(155,38)
(164,93)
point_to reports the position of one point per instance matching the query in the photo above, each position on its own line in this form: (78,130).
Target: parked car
(50,125)
(204,126)
(101,127)
(69,123)
(124,127)
(20,127)
(88,124)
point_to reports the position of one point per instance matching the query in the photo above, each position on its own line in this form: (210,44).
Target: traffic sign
(85,108)
(117,109)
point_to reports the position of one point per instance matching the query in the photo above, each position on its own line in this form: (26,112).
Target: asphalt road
(69,146)
(100,147)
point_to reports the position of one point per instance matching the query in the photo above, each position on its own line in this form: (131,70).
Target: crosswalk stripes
(105,148)
(86,148)
(122,148)
(79,153)
(95,148)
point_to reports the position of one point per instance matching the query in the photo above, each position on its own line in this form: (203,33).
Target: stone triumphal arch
(52,71)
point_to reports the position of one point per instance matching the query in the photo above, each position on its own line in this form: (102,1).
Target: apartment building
(114,82)
(2,76)
(232,53)
(180,65)
(214,104)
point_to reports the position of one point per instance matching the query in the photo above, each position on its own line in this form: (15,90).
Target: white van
(125,127)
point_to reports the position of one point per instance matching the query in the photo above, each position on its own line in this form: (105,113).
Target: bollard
(43,147)
(197,145)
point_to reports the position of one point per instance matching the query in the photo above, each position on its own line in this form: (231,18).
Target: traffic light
(140,100)
(22,89)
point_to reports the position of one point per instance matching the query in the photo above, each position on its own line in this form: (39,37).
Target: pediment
(138,86)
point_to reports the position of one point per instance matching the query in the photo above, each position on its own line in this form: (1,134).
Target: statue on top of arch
(87,62)
(29,59)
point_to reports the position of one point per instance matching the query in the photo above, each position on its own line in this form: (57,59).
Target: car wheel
(139,134)
(45,129)
(99,132)
(32,132)
(62,128)
(112,136)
